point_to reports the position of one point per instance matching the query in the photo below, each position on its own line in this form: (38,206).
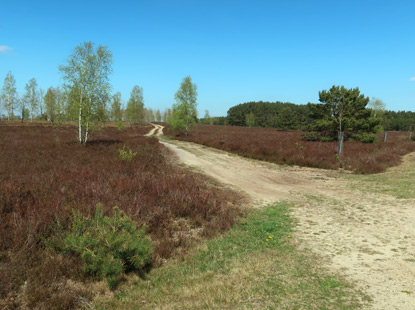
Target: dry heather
(45,175)
(288,147)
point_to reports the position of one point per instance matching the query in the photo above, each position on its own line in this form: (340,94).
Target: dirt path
(369,238)
(156,131)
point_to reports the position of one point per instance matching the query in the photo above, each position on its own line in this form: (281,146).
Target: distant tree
(41,96)
(286,119)
(378,107)
(61,99)
(116,107)
(87,73)
(250,119)
(135,105)
(9,94)
(26,113)
(51,104)
(158,116)
(21,104)
(207,118)
(166,115)
(184,114)
(268,114)
(149,115)
(31,97)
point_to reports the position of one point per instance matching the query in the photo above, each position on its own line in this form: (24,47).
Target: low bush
(107,245)
(126,154)
(364,138)
(121,125)
(326,139)
(311,136)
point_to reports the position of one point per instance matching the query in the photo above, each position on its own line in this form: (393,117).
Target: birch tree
(158,116)
(9,94)
(31,97)
(61,98)
(116,111)
(21,105)
(41,94)
(50,104)
(184,113)
(87,74)
(135,105)
(378,107)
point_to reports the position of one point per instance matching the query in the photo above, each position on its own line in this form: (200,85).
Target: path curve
(367,237)
(157,130)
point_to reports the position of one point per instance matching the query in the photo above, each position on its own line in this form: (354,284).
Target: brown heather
(45,175)
(288,147)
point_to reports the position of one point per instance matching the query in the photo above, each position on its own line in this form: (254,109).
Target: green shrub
(311,136)
(364,137)
(120,125)
(326,139)
(413,138)
(108,246)
(126,154)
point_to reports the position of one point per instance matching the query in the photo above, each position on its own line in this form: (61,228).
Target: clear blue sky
(235,51)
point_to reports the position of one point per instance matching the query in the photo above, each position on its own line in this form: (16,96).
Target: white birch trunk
(86,132)
(80,117)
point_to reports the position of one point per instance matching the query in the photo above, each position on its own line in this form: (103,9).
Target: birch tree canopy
(184,110)
(86,75)
(9,95)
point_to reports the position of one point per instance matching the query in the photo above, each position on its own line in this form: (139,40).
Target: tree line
(57,104)
(84,97)
(286,115)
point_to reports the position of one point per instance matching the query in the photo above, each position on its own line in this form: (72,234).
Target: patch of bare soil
(368,237)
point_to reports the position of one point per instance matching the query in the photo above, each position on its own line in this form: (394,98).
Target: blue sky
(235,51)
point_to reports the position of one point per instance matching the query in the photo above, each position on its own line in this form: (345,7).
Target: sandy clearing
(367,237)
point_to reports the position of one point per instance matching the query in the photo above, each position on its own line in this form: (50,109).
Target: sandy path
(156,131)
(369,238)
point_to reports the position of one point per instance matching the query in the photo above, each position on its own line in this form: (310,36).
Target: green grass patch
(256,265)
(398,183)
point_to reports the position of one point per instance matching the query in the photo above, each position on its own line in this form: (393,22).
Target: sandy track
(156,131)
(367,237)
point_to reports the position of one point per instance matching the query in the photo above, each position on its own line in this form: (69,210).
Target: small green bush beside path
(108,245)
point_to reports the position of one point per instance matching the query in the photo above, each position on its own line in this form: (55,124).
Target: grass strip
(256,265)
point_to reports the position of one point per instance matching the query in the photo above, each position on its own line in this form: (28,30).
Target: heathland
(289,147)
(250,234)
(46,176)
